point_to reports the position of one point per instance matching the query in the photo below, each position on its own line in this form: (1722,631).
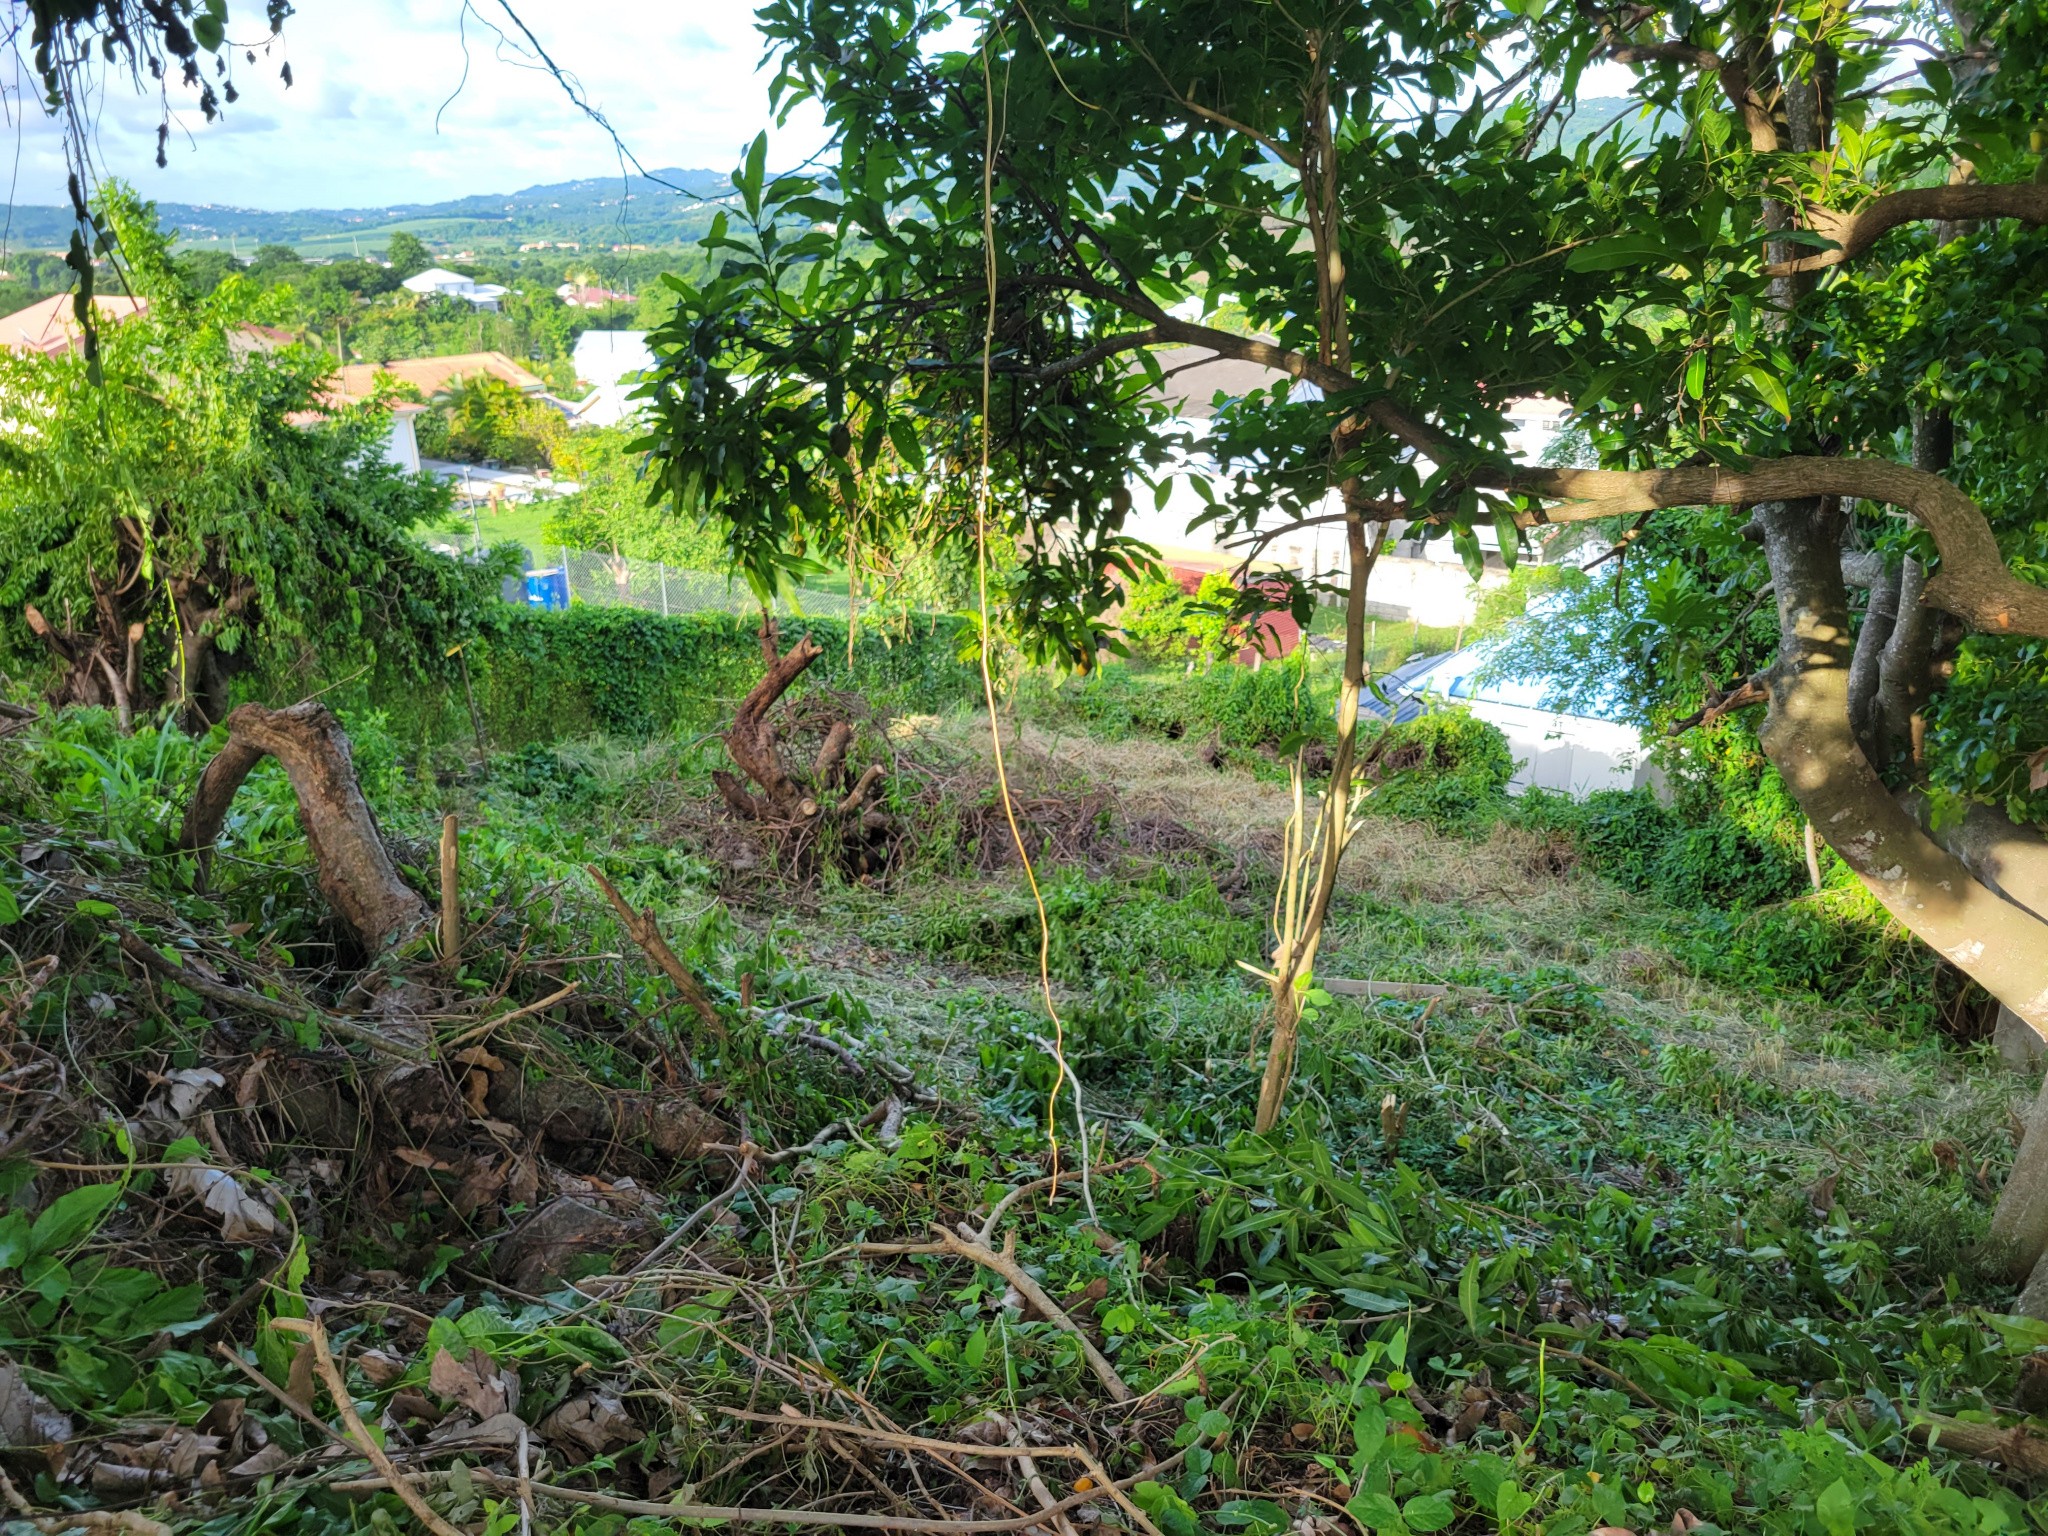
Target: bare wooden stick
(451,896)
(642,929)
(337,1388)
(1034,1293)
(489,1025)
(988,1227)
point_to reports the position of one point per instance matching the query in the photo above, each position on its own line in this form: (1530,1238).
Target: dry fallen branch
(499,1482)
(344,1404)
(1034,1293)
(150,958)
(1024,1191)
(1399,991)
(909,1442)
(642,929)
(2017,1449)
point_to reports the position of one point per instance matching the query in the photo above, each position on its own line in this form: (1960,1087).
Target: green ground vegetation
(1606,1231)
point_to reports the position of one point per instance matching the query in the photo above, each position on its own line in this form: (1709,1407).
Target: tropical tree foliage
(1791,292)
(160,529)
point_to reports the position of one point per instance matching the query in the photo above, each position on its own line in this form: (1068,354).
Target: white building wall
(402,443)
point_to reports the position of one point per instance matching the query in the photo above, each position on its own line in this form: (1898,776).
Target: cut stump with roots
(825,807)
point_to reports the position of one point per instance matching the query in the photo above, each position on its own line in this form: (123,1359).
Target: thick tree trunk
(1809,738)
(354,869)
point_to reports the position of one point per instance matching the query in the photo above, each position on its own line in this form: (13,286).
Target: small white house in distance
(1425,582)
(611,362)
(1573,754)
(439,282)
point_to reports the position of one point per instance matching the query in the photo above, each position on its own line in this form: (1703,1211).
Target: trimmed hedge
(540,676)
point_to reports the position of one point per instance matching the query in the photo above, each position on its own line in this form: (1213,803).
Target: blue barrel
(548,589)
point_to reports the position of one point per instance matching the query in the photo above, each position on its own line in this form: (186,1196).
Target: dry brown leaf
(270,1459)
(298,1383)
(589,1425)
(182,1092)
(480,1185)
(249,1086)
(414,1157)
(2037,770)
(477,1383)
(243,1217)
(380,1365)
(25,1418)
(522,1181)
(499,1429)
(1821,1194)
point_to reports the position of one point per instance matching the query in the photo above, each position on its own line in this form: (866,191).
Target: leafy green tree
(163,531)
(617,506)
(407,254)
(205,270)
(274,262)
(1022,220)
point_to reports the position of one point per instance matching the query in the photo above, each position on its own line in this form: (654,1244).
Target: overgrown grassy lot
(1638,1224)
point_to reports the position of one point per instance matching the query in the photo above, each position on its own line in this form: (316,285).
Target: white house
(1426,582)
(611,362)
(439,282)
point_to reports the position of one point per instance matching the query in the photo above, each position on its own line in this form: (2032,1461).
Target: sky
(357,128)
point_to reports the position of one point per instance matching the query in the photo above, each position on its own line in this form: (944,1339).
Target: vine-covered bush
(1241,706)
(541,676)
(1445,768)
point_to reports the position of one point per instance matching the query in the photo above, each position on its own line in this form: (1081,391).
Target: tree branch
(1854,233)
(1974,583)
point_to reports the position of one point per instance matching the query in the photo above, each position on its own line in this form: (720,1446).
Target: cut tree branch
(354,868)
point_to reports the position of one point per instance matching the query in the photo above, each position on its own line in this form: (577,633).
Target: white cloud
(357,128)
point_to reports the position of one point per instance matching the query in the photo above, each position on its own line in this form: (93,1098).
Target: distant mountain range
(597,212)
(661,208)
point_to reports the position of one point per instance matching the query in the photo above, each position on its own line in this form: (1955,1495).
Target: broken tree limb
(1401,991)
(354,869)
(1034,1293)
(151,958)
(344,1404)
(451,896)
(644,931)
(2017,1449)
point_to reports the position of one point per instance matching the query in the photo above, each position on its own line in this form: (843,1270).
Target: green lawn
(515,522)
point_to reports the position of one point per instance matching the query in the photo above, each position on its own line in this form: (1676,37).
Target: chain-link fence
(561,576)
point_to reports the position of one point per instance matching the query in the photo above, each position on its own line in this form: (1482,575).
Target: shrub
(1164,624)
(1445,768)
(543,677)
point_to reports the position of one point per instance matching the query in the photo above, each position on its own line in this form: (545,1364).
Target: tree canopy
(1795,294)
(198,504)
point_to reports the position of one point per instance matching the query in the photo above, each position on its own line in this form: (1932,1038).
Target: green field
(516,522)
